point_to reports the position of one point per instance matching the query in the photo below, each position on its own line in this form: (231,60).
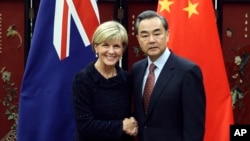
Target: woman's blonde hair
(110,30)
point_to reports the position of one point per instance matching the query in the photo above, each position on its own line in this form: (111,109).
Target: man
(176,107)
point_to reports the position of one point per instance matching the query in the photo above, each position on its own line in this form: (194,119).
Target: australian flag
(59,48)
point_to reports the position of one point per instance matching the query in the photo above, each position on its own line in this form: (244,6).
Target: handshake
(130,126)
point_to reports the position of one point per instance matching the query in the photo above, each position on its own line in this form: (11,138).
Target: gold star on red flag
(165,5)
(191,9)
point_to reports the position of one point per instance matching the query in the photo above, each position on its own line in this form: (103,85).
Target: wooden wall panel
(134,8)
(106,11)
(11,52)
(236,42)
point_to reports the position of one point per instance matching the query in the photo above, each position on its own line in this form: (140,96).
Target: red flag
(194,35)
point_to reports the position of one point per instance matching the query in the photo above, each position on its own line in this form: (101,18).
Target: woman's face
(109,52)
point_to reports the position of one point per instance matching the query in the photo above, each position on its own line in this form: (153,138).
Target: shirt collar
(159,63)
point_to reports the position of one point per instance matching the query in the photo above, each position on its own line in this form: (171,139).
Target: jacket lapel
(140,75)
(163,79)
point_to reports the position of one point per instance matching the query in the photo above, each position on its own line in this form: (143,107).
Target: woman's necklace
(106,71)
(107,74)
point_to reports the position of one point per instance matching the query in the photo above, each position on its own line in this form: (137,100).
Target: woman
(101,91)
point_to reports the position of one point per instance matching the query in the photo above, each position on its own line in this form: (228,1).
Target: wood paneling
(12,52)
(236,42)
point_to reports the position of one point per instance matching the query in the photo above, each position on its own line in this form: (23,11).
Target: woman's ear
(95,48)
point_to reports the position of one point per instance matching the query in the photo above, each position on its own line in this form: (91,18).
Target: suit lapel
(140,75)
(163,79)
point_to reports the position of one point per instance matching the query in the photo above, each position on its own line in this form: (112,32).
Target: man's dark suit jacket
(176,110)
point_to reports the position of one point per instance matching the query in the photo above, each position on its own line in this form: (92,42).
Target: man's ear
(167,35)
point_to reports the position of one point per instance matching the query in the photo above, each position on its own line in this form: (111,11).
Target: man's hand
(130,126)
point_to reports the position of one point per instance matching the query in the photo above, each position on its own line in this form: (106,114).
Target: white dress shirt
(159,63)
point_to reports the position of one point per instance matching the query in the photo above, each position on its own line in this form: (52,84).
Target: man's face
(152,37)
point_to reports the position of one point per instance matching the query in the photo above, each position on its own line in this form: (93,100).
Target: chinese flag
(194,35)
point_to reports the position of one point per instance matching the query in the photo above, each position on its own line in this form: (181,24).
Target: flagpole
(215,4)
(31,16)
(120,17)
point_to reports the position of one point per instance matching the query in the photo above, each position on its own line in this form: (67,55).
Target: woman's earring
(96,55)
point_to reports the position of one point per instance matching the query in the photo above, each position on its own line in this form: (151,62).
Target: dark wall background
(12,53)
(236,42)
